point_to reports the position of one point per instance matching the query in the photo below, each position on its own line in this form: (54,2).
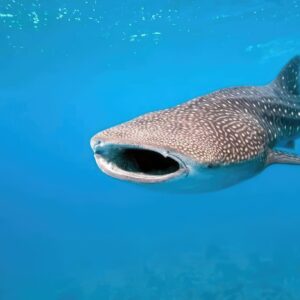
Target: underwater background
(70,68)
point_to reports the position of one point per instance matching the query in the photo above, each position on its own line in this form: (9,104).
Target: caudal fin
(288,80)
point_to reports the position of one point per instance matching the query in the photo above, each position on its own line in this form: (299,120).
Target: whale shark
(210,142)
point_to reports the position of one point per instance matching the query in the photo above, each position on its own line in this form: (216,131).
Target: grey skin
(210,142)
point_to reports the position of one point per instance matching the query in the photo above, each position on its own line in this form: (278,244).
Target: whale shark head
(153,148)
(174,148)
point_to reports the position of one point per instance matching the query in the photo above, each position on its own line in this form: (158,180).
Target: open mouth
(138,164)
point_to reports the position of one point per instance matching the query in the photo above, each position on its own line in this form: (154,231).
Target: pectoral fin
(279,157)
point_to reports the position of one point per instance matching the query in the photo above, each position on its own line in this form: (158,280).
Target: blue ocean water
(69,69)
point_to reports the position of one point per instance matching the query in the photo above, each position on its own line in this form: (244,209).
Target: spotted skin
(228,126)
(232,126)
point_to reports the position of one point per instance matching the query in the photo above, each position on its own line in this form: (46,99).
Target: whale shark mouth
(138,164)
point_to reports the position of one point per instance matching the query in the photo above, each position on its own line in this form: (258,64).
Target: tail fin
(288,80)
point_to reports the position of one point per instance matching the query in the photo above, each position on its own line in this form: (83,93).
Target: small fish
(210,142)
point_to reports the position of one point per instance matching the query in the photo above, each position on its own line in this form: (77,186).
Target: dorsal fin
(288,80)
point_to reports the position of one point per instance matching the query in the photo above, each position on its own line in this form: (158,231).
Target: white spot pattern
(228,126)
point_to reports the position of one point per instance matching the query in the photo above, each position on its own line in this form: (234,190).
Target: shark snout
(94,142)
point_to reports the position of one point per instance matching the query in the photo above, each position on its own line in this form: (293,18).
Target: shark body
(209,142)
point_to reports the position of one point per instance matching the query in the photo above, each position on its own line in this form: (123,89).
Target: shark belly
(201,179)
